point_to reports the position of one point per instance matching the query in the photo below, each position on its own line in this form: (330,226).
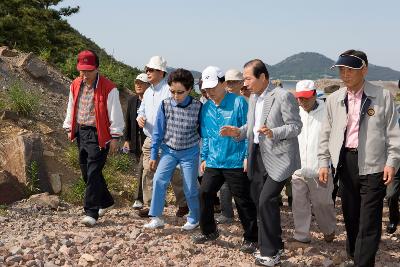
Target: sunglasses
(177,92)
(150,70)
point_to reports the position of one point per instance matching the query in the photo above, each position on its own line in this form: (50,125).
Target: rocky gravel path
(31,235)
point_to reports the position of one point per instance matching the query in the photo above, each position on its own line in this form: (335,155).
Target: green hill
(309,65)
(36,26)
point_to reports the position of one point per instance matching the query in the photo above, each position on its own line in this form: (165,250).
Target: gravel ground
(31,235)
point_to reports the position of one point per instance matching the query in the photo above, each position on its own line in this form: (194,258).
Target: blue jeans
(188,159)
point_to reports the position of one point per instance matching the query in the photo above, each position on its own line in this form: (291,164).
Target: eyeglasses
(177,92)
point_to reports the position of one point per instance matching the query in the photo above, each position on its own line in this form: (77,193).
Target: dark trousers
(266,193)
(362,203)
(138,192)
(392,196)
(239,185)
(92,160)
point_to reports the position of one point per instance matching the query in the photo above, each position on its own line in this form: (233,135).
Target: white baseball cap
(158,63)
(233,75)
(210,76)
(142,77)
(305,88)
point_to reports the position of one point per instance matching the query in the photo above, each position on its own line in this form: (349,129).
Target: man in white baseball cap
(222,160)
(156,70)
(307,190)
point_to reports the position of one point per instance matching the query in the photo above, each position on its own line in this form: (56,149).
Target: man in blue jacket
(222,160)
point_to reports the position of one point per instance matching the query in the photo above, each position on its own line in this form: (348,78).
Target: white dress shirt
(151,101)
(258,114)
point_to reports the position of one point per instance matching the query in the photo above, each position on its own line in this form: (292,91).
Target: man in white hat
(234,81)
(222,160)
(159,90)
(307,190)
(134,135)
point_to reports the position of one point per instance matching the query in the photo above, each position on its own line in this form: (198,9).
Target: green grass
(22,101)
(74,193)
(72,156)
(32,185)
(115,172)
(2,102)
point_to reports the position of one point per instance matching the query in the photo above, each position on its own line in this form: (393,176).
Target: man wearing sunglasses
(360,136)
(159,90)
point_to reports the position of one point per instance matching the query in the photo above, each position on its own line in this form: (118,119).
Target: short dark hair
(259,67)
(96,58)
(221,79)
(357,53)
(182,76)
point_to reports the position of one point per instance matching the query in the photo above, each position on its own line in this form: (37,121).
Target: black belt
(86,127)
(350,149)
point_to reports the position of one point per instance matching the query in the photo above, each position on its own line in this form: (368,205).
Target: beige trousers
(307,193)
(147,179)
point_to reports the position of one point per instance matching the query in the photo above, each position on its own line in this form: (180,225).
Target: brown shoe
(329,238)
(144,213)
(182,211)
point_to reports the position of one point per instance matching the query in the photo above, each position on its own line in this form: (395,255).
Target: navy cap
(350,61)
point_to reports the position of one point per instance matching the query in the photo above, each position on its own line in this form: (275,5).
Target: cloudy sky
(227,33)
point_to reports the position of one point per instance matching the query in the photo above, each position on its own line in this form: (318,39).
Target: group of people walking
(245,138)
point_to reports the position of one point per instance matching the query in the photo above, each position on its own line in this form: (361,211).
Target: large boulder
(22,157)
(34,66)
(10,189)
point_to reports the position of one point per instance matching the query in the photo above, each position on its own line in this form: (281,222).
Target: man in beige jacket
(361,137)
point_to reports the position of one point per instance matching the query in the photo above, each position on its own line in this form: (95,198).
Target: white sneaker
(137,205)
(103,211)
(268,261)
(88,221)
(155,222)
(189,226)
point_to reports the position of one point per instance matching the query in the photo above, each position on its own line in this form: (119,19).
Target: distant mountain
(309,65)
(196,74)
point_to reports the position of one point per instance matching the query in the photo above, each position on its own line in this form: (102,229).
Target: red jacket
(101,91)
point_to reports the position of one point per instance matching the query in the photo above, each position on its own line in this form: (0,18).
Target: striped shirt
(86,113)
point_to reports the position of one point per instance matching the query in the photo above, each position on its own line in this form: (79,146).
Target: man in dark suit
(273,124)
(134,136)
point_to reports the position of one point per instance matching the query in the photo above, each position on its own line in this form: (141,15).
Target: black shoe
(391,228)
(249,247)
(144,213)
(202,238)
(182,211)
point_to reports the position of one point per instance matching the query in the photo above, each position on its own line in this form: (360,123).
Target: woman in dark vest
(176,134)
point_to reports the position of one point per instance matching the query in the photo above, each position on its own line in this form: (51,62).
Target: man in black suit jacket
(134,136)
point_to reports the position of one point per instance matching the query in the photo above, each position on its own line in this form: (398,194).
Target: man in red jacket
(94,117)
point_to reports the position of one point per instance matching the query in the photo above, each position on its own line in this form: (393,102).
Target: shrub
(23,101)
(45,54)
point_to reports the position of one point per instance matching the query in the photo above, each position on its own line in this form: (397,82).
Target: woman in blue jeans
(176,134)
